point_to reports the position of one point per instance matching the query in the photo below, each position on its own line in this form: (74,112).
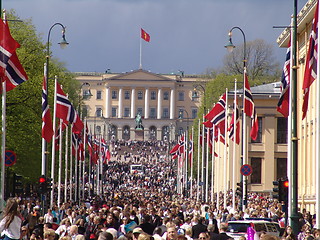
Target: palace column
(133,103)
(159,103)
(108,103)
(172,103)
(146,104)
(120,102)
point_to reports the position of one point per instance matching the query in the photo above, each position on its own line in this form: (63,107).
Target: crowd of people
(135,206)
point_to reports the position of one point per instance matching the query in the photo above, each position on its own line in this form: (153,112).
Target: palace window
(153,95)
(282,130)
(166,95)
(140,95)
(99,96)
(259,136)
(126,95)
(114,94)
(256,164)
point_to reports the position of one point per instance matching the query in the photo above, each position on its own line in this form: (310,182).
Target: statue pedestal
(139,135)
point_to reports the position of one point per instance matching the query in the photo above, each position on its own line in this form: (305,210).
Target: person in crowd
(64,228)
(48,217)
(204,236)
(10,224)
(172,233)
(49,234)
(223,232)
(288,234)
(198,228)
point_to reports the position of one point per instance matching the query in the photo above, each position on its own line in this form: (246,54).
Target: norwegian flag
(249,108)
(47,127)
(77,145)
(66,111)
(217,114)
(178,149)
(283,103)
(105,151)
(8,47)
(310,73)
(235,115)
(92,154)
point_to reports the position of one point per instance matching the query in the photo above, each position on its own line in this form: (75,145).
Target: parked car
(239,228)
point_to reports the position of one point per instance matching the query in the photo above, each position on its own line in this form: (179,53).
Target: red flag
(283,104)
(217,114)
(236,116)
(311,70)
(145,36)
(66,111)
(47,128)
(249,108)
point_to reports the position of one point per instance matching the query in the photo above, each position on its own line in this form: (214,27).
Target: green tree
(260,60)
(24,102)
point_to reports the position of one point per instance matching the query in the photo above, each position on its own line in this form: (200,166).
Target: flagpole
(140,65)
(207,164)
(53,149)
(191,163)
(66,166)
(202,160)
(234,145)
(60,163)
(3,145)
(198,167)
(84,157)
(289,136)
(76,169)
(71,167)
(317,141)
(212,163)
(225,153)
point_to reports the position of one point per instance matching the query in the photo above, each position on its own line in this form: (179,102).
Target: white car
(239,228)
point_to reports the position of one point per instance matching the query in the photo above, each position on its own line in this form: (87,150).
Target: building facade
(306,128)
(166,104)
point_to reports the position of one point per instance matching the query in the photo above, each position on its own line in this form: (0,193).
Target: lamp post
(204,95)
(230,48)
(44,162)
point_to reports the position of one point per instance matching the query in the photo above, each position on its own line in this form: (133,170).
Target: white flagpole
(198,167)
(43,157)
(191,163)
(217,168)
(203,160)
(317,141)
(66,167)
(53,151)
(289,142)
(244,143)
(207,164)
(186,160)
(140,65)
(212,163)
(98,169)
(84,157)
(71,167)
(76,172)
(3,145)
(225,152)
(60,163)
(234,145)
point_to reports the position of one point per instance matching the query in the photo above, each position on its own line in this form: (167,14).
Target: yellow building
(166,104)
(306,129)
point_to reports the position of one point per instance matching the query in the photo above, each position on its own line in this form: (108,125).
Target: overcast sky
(186,35)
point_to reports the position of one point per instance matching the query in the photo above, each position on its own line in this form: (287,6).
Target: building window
(114,112)
(166,95)
(152,112)
(99,112)
(181,96)
(165,113)
(126,95)
(99,96)
(256,170)
(259,135)
(140,110)
(194,113)
(114,94)
(153,95)
(281,168)
(126,112)
(282,130)
(140,95)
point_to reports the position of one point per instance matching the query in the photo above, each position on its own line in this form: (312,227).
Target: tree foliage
(24,111)
(260,60)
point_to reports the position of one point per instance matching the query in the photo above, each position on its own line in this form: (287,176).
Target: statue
(138,121)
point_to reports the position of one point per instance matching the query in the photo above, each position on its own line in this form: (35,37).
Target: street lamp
(230,48)
(44,162)
(195,95)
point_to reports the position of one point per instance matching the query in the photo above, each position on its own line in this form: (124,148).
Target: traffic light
(17,184)
(49,184)
(239,190)
(284,190)
(42,184)
(277,189)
